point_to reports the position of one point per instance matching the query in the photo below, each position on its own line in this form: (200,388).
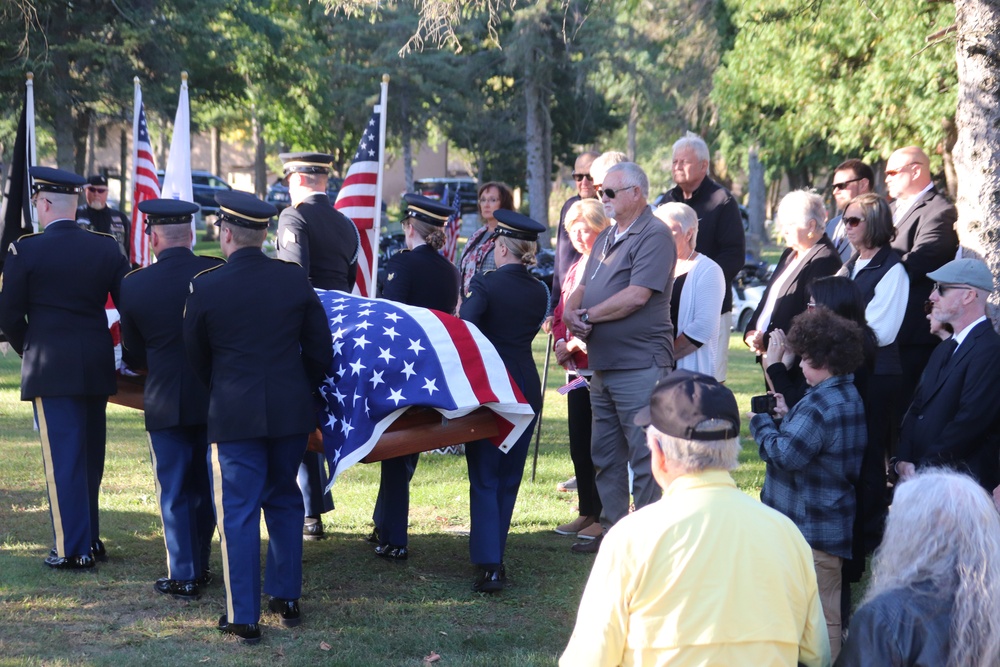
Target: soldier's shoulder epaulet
(135,270)
(99,233)
(488,272)
(287,261)
(26,236)
(218,261)
(208,270)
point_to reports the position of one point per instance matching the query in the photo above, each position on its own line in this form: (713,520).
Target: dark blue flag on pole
(15,214)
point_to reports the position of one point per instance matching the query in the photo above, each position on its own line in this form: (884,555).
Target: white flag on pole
(177,177)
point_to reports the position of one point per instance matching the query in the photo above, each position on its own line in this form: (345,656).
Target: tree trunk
(757,205)
(215,150)
(537,174)
(406,136)
(633,126)
(62,116)
(91,146)
(977,150)
(260,155)
(948,155)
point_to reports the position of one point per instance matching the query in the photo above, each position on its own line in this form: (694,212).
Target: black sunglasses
(580,177)
(611,194)
(853,221)
(840,186)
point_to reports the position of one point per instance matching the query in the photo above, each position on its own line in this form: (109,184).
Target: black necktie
(948,351)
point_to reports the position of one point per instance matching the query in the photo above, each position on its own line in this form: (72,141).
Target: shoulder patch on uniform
(288,237)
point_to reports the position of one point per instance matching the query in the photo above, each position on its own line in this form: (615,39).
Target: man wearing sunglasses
(566,254)
(953,420)
(97,216)
(925,240)
(721,237)
(850,179)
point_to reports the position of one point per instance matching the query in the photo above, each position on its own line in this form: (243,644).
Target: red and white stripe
(145,184)
(356,200)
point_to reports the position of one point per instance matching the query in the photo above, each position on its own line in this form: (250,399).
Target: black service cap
(243,210)
(516,226)
(426,210)
(167,212)
(306,163)
(47,179)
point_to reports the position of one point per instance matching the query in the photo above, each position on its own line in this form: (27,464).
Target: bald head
(907,172)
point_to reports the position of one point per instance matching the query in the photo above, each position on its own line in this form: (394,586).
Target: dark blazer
(926,241)
(321,240)
(152,312)
(257,335)
(953,419)
(508,305)
(820,261)
(422,277)
(52,309)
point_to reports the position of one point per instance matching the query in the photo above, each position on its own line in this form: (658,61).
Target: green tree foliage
(811,82)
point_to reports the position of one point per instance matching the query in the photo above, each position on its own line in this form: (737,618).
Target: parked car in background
(434,188)
(277,193)
(748,289)
(204,186)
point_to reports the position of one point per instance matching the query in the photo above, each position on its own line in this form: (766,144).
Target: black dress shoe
(390,552)
(373,538)
(245,633)
(85,562)
(100,553)
(588,547)
(288,610)
(312,529)
(205,579)
(489,581)
(177,588)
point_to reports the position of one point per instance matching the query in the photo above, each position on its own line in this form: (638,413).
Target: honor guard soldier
(97,216)
(52,296)
(508,305)
(257,335)
(175,400)
(325,243)
(418,276)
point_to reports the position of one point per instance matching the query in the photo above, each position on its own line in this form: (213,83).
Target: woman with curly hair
(813,455)
(934,597)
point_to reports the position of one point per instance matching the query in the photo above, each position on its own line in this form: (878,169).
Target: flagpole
(136,100)
(376,230)
(29,112)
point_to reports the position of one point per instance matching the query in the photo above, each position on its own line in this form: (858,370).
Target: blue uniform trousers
(392,507)
(312,480)
(180,470)
(247,476)
(73,431)
(494,479)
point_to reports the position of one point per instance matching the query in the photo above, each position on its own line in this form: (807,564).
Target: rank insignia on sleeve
(12,249)
(390,276)
(288,238)
(468,294)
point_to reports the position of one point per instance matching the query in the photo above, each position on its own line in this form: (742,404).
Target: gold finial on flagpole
(184,76)
(135,80)
(29,76)
(385,78)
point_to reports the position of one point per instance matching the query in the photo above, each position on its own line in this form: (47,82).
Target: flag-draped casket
(389,357)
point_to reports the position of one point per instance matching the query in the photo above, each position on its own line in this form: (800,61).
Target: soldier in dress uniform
(97,216)
(52,295)
(257,336)
(325,243)
(175,400)
(508,305)
(418,276)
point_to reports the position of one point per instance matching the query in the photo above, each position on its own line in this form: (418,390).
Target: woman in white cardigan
(699,288)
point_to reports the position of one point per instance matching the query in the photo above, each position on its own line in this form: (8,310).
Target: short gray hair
(634,175)
(799,207)
(603,162)
(696,455)
(244,237)
(682,214)
(695,143)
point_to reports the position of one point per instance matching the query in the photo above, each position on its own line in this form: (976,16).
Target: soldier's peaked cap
(426,210)
(244,210)
(167,212)
(306,163)
(516,226)
(47,179)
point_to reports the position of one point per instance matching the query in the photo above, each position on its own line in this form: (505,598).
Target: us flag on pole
(145,184)
(389,356)
(452,228)
(357,200)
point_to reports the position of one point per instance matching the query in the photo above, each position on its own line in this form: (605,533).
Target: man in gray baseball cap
(953,420)
(706,574)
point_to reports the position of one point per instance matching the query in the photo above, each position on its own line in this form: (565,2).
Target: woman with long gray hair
(934,598)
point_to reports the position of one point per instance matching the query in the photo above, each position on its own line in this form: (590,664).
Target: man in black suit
(953,419)
(257,335)
(324,242)
(721,236)
(52,296)
(175,400)
(925,240)
(96,215)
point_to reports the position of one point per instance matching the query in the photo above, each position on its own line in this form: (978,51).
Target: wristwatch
(585,318)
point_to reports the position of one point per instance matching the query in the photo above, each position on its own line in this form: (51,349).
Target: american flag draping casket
(389,357)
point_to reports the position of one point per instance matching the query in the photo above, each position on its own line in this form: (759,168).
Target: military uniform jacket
(257,335)
(107,221)
(508,305)
(52,296)
(152,314)
(422,277)
(320,239)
